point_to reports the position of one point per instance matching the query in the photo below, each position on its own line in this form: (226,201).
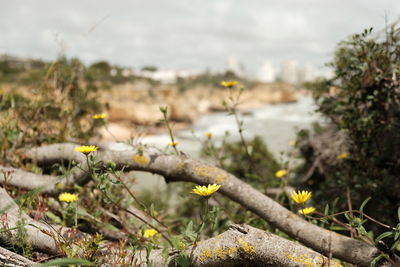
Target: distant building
(127,72)
(289,72)
(306,73)
(266,73)
(16,62)
(234,65)
(113,72)
(325,73)
(167,75)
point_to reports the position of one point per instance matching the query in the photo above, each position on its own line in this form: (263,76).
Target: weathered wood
(183,168)
(11,259)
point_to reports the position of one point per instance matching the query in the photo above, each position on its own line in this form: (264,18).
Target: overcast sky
(194,34)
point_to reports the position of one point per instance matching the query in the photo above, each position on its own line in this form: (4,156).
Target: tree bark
(183,168)
(11,259)
(243,245)
(43,237)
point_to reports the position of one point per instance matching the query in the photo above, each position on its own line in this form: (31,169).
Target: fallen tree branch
(11,259)
(55,153)
(243,245)
(28,180)
(42,237)
(183,168)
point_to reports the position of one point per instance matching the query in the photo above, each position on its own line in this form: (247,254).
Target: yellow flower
(68,197)
(206,191)
(229,84)
(292,142)
(86,149)
(141,159)
(306,211)
(59,186)
(301,196)
(344,155)
(281,173)
(173,144)
(149,233)
(208,134)
(100,116)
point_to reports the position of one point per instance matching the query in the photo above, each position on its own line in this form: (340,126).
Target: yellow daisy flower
(173,144)
(301,196)
(206,191)
(208,135)
(281,173)
(86,149)
(149,233)
(344,155)
(229,84)
(100,116)
(141,159)
(307,210)
(292,142)
(68,197)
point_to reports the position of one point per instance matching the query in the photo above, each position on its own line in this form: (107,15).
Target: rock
(140,104)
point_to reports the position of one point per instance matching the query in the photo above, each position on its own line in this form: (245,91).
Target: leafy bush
(56,109)
(362,102)
(257,169)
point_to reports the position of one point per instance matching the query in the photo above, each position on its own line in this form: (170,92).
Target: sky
(187,34)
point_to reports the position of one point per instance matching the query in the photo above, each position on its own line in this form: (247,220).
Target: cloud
(187,34)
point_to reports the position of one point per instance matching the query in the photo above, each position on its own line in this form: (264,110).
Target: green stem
(171,135)
(203,220)
(76,215)
(138,202)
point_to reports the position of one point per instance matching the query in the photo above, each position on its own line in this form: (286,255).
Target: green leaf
(12,228)
(189,231)
(324,221)
(396,245)
(377,259)
(364,203)
(382,236)
(111,227)
(189,227)
(398,213)
(348,217)
(152,209)
(337,228)
(165,254)
(66,261)
(326,211)
(334,204)
(53,217)
(183,260)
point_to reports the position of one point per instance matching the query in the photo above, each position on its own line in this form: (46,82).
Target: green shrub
(362,102)
(258,169)
(58,108)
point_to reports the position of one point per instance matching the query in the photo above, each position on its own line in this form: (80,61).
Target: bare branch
(11,259)
(183,168)
(55,153)
(243,245)
(41,236)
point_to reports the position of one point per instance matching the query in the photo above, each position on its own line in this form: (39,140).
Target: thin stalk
(204,217)
(139,203)
(171,135)
(367,216)
(139,218)
(239,123)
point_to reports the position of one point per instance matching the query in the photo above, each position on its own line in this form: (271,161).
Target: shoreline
(184,109)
